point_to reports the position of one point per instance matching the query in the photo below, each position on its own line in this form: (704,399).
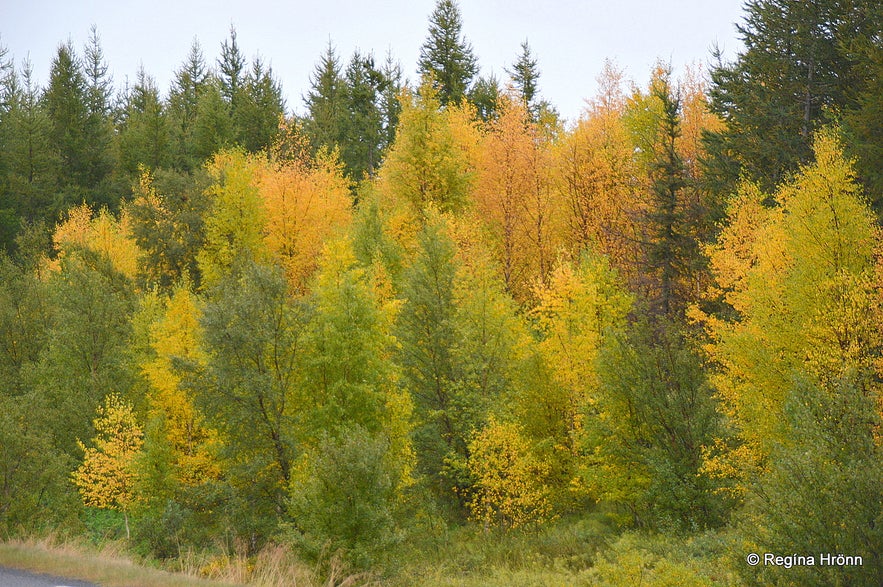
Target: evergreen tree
(524,75)
(231,70)
(144,133)
(390,105)
(445,57)
(485,95)
(259,108)
(31,164)
(363,124)
(213,127)
(65,103)
(188,86)
(793,76)
(326,110)
(670,247)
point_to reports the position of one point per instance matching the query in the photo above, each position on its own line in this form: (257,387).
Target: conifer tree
(793,75)
(190,82)
(446,57)
(144,132)
(324,123)
(524,75)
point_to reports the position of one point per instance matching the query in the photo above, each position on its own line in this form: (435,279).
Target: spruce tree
(190,82)
(144,134)
(325,102)
(445,56)
(259,108)
(524,75)
(363,130)
(793,76)
(231,70)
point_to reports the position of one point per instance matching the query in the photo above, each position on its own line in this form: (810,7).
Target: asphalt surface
(16,578)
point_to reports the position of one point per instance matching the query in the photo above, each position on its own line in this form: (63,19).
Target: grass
(109,566)
(106,567)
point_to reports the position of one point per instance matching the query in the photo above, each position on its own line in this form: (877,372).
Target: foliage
(509,489)
(798,278)
(431,161)
(445,57)
(107,477)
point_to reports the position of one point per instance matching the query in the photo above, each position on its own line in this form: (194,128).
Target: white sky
(570,38)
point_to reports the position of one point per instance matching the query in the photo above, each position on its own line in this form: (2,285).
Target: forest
(430,333)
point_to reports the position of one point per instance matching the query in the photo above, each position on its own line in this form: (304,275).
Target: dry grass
(108,567)
(275,566)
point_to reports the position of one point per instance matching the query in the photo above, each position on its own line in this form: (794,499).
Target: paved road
(15,578)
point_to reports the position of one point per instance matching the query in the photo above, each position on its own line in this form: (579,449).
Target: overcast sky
(570,38)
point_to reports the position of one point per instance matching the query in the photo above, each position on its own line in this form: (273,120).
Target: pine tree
(445,57)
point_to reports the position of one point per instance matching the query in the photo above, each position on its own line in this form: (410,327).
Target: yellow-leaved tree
(235,226)
(799,277)
(102,234)
(515,199)
(578,308)
(188,442)
(509,491)
(106,478)
(595,172)
(432,159)
(304,206)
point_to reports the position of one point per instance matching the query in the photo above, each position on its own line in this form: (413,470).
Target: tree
(793,75)
(30,160)
(595,167)
(652,418)
(106,477)
(514,198)
(524,75)
(797,280)
(231,71)
(431,161)
(65,104)
(214,130)
(363,125)
(260,108)
(248,391)
(168,212)
(485,95)
(304,206)
(509,488)
(427,333)
(822,489)
(144,132)
(188,86)
(580,307)
(671,250)
(445,57)
(324,123)
(234,227)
